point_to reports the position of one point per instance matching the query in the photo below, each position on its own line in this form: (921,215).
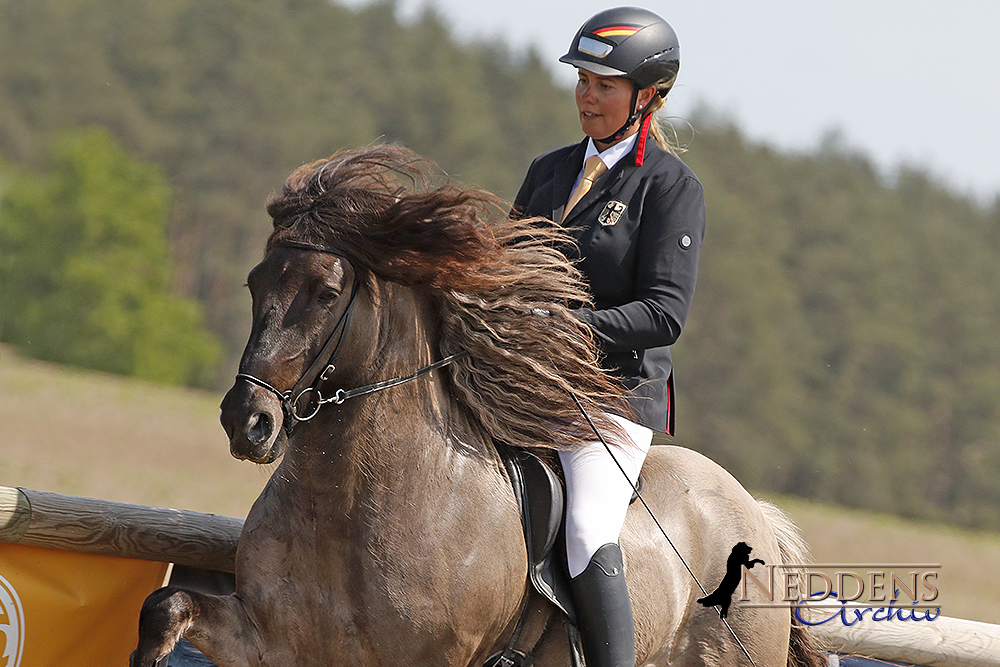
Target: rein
(638,494)
(291,400)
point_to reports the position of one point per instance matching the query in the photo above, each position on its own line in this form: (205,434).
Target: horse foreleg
(216,624)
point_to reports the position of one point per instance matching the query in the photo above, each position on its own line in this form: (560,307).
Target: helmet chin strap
(628,123)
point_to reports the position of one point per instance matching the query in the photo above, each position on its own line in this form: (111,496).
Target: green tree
(86,272)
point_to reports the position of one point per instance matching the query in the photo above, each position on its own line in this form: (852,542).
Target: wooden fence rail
(57,521)
(209,541)
(943,642)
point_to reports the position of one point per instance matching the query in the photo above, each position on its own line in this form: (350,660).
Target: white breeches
(597,494)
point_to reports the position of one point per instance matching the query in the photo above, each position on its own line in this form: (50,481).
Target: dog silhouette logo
(722,596)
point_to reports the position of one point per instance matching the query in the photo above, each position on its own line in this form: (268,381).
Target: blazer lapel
(564,179)
(617,177)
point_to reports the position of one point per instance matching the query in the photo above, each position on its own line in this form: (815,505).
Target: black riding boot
(603,610)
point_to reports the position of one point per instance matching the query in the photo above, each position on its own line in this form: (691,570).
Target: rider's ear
(644,97)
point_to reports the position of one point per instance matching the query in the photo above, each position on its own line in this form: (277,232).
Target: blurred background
(843,342)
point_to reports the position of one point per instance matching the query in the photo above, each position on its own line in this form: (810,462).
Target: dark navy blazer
(639,231)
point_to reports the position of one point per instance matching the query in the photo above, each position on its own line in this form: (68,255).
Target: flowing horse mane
(491,277)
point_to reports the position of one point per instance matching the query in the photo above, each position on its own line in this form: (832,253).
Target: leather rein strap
(291,400)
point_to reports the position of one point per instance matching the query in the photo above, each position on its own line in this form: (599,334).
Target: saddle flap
(540,498)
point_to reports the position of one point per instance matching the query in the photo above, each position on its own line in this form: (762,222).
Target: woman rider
(639,229)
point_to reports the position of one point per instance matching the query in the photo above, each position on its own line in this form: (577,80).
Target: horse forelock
(377,206)
(492,278)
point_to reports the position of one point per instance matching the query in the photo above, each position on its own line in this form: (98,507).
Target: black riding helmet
(629,42)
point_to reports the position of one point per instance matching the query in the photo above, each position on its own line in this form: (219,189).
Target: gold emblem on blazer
(612,213)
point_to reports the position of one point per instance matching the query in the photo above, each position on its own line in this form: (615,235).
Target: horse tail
(803,651)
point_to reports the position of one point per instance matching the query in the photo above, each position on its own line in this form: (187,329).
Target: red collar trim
(640,152)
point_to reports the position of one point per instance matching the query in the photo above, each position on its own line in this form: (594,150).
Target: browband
(302,245)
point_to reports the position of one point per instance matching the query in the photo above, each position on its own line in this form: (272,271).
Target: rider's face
(603,103)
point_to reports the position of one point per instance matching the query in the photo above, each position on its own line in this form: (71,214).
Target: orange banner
(67,608)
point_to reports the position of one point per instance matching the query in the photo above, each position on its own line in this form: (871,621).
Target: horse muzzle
(252,418)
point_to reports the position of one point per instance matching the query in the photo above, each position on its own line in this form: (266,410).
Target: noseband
(291,400)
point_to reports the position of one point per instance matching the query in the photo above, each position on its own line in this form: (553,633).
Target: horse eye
(327,295)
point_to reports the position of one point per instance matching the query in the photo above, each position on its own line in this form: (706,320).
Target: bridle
(293,409)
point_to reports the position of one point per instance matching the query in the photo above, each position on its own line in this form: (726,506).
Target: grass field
(103,436)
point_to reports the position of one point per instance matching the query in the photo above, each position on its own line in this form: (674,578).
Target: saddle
(540,498)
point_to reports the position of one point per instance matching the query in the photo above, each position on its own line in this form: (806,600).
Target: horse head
(304,300)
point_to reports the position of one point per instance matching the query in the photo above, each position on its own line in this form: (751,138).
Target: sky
(905,82)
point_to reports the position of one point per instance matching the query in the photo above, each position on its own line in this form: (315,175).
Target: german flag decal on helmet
(618,31)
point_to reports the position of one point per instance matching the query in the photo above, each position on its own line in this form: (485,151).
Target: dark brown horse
(399,330)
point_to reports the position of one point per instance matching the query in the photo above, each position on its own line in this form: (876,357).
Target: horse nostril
(260,428)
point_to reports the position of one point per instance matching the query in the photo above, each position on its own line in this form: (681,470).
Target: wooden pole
(943,642)
(57,521)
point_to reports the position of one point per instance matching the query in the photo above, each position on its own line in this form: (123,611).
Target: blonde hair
(662,129)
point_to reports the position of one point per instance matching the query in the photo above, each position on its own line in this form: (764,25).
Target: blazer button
(685,242)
